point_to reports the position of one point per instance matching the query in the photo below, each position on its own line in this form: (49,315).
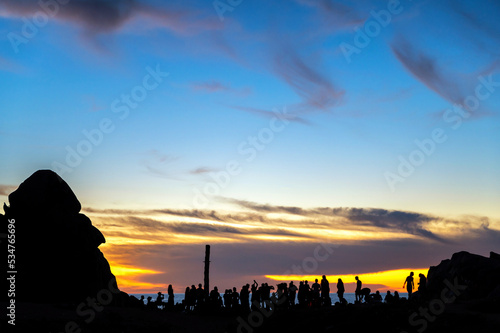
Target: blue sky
(350,116)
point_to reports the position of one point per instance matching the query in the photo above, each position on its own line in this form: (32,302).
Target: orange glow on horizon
(392,279)
(129,279)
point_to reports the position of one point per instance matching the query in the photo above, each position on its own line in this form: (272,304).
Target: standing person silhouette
(340,291)
(409,284)
(292,292)
(359,284)
(422,283)
(316,288)
(422,286)
(170,293)
(325,291)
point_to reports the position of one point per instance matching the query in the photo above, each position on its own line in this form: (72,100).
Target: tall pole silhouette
(207,270)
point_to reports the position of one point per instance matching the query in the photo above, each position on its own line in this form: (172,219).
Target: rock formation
(480,274)
(57,254)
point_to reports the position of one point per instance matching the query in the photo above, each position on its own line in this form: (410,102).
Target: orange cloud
(130,279)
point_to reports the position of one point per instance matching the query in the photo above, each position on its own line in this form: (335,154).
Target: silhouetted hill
(57,254)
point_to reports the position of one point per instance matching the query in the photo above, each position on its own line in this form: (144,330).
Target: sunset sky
(298,138)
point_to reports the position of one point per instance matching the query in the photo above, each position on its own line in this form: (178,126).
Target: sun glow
(392,279)
(131,279)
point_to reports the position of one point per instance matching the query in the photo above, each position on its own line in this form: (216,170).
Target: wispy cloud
(270,114)
(453,87)
(158,164)
(427,70)
(408,222)
(10,66)
(336,14)
(7,189)
(210,86)
(217,86)
(317,91)
(102,16)
(253,219)
(202,170)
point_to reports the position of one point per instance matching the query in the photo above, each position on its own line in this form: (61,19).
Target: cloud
(316,90)
(409,222)
(335,14)
(158,164)
(483,30)
(7,189)
(216,86)
(10,66)
(271,114)
(211,86)
(454,88)
(202,170)
(266,208)
(148,229)
(254,221)
(427,71)
(104,16)
(94,15)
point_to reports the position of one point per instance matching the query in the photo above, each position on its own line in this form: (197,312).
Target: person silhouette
(192,297)
(215,299)
(200,295)
(388,297)
(325,291)
(302,294)
(307,293)
(187,298)
(292,291)
(359,284)
(340,291)
(409,284)
(235,298)
(170,292)
(150,305)
(422,283)
(159,300)
(315,287)
(245,296)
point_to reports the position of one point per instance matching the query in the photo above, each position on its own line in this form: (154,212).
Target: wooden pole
(207,270)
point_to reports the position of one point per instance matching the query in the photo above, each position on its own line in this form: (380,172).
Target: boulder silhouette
(480,274)
(56,248)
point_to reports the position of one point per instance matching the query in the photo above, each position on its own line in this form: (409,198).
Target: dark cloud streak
(102,16)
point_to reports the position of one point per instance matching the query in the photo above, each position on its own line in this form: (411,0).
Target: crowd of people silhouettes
(264,296)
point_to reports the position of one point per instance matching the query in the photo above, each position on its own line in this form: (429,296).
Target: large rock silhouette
(480,275)
(57,254)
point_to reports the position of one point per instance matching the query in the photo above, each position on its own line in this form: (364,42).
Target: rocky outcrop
(57,254)
(480,274)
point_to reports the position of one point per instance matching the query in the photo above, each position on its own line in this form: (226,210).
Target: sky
(298,138)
